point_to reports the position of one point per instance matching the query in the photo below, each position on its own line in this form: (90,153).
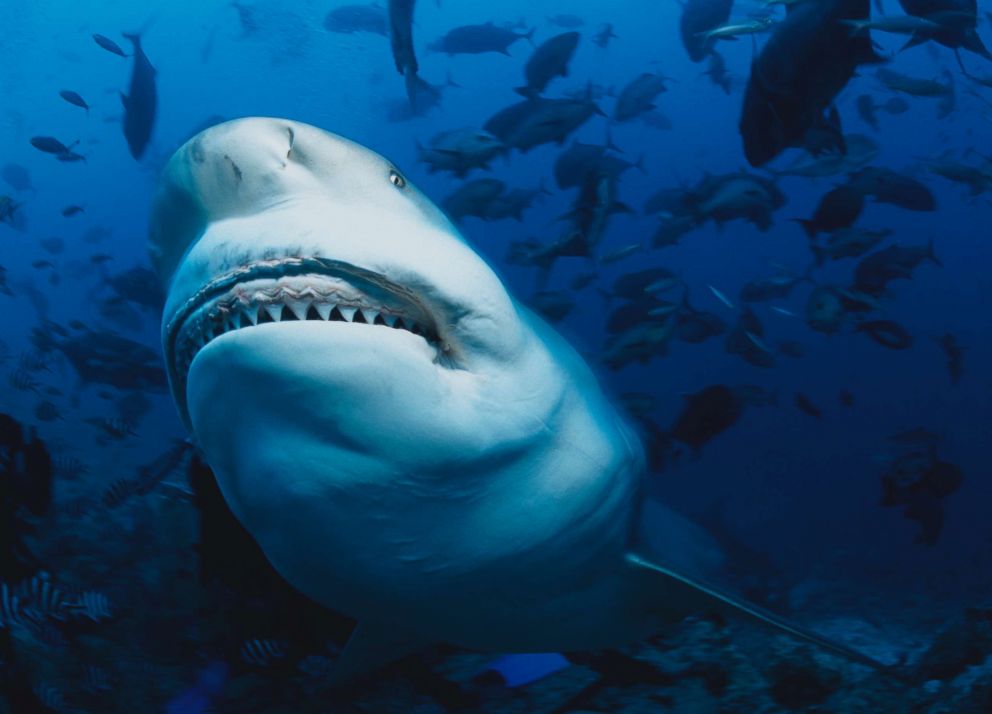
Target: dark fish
(806,406)
(955,355)
(958,20)
(263,653)
(716,70)
(848,243)
(776,287)
(839,208)
(401,36)
(745,340)
(605,34)
(548,61)
(706,414)
(887,333)
(638,97)
(846,398)
(53,245)
(888,186)
(555,305)
(473,198)
(477,39)
(874,272)
(865,105)
(349,19)
(540,121)
(109,45)
(141,101)
(72,210)
(51,145)
(698,18)
(825,309)
(460,150)
(807,61)
(74,99)
(580,161)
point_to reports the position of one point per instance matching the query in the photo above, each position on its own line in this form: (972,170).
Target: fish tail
(808,225)
(526,91)
(932,255)
(529,36)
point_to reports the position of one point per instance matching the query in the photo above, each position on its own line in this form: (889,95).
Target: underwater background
(844,468)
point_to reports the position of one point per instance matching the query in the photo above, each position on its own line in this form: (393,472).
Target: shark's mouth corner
(294,289)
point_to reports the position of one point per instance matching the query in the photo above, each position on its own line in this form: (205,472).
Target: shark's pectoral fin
(373,645)
(679,590)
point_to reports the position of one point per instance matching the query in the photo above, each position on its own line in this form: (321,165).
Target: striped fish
(91,605)
(263,653)
(10,607)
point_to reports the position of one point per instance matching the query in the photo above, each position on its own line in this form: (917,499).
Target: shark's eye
(396,179)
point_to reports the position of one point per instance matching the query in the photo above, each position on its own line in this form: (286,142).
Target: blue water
(803,493)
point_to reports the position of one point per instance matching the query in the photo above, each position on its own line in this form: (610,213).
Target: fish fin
(526,91)
(681,589)
(931,255)
(808,225)
(529,36)
(124,99)
(371,646)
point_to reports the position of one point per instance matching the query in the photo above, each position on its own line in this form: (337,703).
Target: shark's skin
(478,490)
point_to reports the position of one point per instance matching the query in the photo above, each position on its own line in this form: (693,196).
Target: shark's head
(331,339)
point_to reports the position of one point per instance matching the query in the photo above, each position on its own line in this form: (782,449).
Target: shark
(407,443)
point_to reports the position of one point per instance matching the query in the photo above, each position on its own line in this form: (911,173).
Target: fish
(11,214)
(512,203)
(954,353)
(887,333)
(554,305)
(401,40)
(733,30)
(825,309)
(888,186)
(581,161)
(73,210)
(460,150)
(722,298)
(847,243)
(452,349)
(874,272)
(775,287)
(699,17)
(473,198)
(537,121)
(74,99)
(839,208)
(806,406)
(549,60)
(866,110)
(51,145)
(957,24)
(141,101)
(895,24)
(745,340)
(859,151)
(782,106)
(478,39)
(109,45)
(706,414)
(102,357)
(638,96)
(605,34)
(349,19)
(734,196)
(716,70)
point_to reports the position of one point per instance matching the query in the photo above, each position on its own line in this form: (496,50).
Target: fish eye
(397,179)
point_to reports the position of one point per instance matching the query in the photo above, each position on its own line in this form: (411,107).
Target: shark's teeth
(274,312)
(250,306)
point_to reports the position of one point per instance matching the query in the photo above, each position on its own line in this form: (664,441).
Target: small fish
(955,355)
(721,297)
(74,99)
(47,411)
(109,45)
(806,406)
(72,210)
(263,653)
(92,606)
(51,145)
(783,311)
(887,333)
(118,492)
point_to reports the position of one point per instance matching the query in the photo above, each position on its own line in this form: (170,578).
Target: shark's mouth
(284,290)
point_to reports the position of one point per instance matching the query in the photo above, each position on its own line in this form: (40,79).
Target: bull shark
(408,444)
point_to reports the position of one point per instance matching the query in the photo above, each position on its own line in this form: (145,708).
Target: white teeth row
(225,318)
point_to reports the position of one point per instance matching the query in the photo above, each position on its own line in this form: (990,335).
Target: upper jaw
(294,288)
